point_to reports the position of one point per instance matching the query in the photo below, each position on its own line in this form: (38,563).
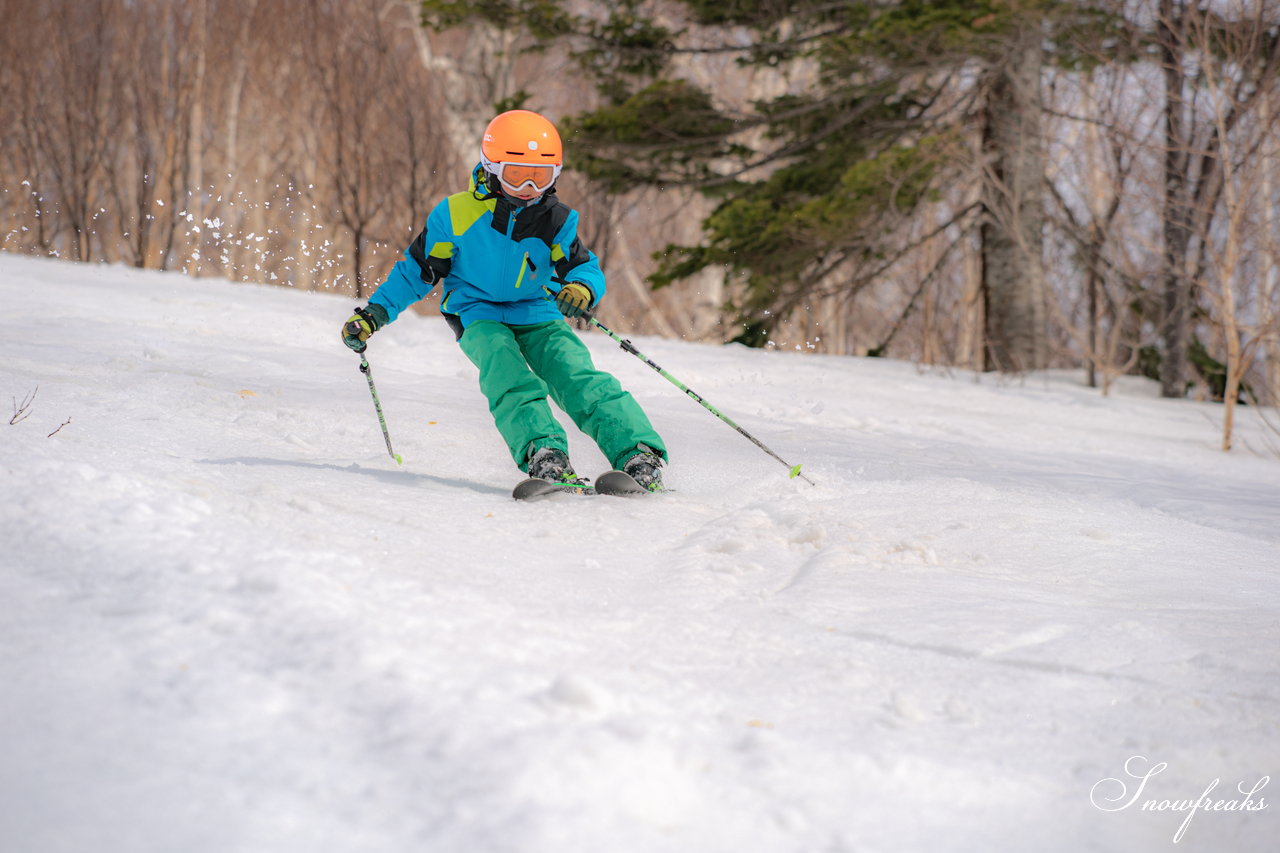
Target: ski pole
(629,347)
(368,374)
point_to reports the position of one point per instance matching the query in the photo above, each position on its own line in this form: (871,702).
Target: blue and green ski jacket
(492,259)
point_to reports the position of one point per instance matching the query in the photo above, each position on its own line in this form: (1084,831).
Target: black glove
(362,324)
(574,299)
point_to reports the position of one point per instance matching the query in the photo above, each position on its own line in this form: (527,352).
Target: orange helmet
(521,147)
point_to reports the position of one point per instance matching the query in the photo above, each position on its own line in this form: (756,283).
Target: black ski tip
(533,489)
(619,484)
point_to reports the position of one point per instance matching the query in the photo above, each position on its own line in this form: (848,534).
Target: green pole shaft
(629,347)
(377,404)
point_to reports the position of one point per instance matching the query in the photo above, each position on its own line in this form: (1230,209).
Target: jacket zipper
(511,229)
(524,262)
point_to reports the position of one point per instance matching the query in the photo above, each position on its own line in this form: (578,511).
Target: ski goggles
(516,176)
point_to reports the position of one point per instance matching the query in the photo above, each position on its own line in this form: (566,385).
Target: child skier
(509,262)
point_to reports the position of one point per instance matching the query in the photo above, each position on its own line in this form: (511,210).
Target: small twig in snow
(21,413)
(59,429)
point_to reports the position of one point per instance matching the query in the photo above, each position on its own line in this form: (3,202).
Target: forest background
(993,185)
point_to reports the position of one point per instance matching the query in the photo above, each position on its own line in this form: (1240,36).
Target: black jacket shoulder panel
(430,269)
(541,221)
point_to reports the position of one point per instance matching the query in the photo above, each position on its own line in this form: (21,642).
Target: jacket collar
(479,186)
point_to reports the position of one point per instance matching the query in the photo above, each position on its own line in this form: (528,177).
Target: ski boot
(549,472)
(646,469)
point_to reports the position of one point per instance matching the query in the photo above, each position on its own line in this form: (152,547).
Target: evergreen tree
(814,184)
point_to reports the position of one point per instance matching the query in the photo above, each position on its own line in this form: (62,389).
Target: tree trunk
(1094,285)
(195,138)
(1012,241)
(969,350)
(357,259)
(1271,266)
(1176,287)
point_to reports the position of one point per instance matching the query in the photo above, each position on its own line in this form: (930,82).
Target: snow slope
(228,622)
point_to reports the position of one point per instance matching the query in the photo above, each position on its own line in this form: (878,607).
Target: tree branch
(23,411)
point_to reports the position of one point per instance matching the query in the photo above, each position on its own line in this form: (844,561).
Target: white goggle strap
(495,169)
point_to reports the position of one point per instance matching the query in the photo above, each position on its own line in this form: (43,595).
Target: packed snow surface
(1011,615)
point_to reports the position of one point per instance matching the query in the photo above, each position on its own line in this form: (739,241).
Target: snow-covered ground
(229,622)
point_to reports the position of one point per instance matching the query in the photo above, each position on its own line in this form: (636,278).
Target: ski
(615,483)
(618,483)
(533,489)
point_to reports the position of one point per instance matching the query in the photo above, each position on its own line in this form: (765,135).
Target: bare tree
(1189,37)
(153,104)
(1249,50)
(69,114)
(1095,157)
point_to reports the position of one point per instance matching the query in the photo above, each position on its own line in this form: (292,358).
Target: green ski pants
(520,365)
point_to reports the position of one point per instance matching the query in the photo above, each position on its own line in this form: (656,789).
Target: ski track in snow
(231,623)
